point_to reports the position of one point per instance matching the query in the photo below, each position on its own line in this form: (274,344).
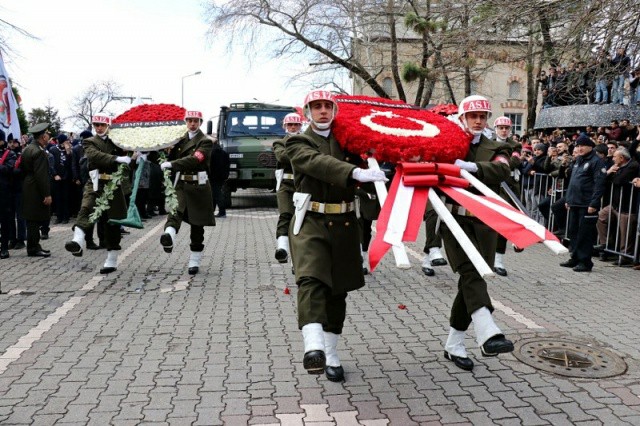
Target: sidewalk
(150,344)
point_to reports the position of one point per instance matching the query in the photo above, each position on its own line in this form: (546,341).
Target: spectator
(614,132)
(602,69)
(62,178)
(619,176)
(634,80)
(621,64)
(583,201)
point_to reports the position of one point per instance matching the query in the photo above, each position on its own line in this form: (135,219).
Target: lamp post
(190,75)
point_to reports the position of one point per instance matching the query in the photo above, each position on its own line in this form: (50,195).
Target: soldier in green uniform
(325,239)
(489,161)
(36,188)
(190,158)
(104,159)
(502,127)
(292,124)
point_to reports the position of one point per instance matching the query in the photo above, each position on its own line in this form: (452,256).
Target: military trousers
(472,288)
(433,237)
(196,234)
(33,236)
(318,304)
(284,196)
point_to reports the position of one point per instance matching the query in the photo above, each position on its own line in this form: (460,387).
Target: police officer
(325,238)
(190,157)
(292,124)
(489,161)
(583,199)
(7,162)
(36,188)
(502,126)
(104,159)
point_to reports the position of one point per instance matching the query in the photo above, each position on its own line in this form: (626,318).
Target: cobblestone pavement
(149,344)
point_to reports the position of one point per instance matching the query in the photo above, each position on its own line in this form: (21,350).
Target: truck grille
(267,159)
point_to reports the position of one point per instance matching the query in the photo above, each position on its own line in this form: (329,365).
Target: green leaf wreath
(102,202)
(170,195)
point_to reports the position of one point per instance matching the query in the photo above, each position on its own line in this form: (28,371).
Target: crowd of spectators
(547,160)
(605,79)
(68,174)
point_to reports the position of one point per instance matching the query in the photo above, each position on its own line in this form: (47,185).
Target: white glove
(368,175)
(123,159)
(466,165)
(165,165)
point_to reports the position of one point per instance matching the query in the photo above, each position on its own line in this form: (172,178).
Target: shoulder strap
(4,157)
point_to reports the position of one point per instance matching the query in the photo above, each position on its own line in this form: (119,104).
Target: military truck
(247,130)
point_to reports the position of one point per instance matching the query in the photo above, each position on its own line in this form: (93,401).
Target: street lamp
(190,75)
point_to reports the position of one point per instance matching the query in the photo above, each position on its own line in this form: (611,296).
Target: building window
(387,85)
(516,122)
(514,90)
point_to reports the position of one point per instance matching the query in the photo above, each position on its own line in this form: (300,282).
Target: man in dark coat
(583,199)
(292,124)
(324,235)
(7,162)
(104,159)
(219,173)
(489,161)
(190,157)
(62,177)
(36,190)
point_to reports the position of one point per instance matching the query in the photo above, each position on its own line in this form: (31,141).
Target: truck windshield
(255,123)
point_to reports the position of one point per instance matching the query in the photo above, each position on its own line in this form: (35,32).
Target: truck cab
(247,130)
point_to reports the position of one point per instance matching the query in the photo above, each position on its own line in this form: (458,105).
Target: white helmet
(193,114)
(319,95)
(473,103)
(502,121)
(101,117)
(292,118)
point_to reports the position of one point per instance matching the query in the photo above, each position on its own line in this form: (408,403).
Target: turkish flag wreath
(393,131)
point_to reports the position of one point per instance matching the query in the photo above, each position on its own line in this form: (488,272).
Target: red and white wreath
(395,131)
(148,127)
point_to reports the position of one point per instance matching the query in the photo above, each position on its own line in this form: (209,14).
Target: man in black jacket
(583,202)
(219,173)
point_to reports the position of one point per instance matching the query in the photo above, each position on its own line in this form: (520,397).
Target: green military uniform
(472,289)
(286,189)
(326,251)
(514,185)
(101,155)
(195,202)
(35,188)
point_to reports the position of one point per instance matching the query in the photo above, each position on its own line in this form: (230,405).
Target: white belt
(287,176)
(328,208)
(458,210)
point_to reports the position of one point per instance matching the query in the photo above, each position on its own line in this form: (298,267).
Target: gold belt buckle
(315,206)
(332,208)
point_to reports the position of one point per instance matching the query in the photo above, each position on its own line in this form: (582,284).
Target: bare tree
(96,98)
(7,28)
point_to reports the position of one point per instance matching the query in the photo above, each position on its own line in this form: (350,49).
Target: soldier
(104,159)
(502,126)
(36,189)
(190,158)
(7,162)
(433,243)
(292,124)
(489,161)
(325,238)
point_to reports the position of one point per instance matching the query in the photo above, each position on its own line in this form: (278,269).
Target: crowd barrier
(618,227)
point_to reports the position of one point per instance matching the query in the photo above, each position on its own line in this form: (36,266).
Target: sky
(146,46)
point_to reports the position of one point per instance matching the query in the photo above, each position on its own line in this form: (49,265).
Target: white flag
(9,122)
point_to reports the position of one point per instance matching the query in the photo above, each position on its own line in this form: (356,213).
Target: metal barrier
(621,224)
(539,198)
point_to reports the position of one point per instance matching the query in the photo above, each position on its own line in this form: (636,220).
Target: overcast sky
(146,46)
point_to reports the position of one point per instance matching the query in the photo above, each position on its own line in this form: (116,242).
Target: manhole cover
(569,358)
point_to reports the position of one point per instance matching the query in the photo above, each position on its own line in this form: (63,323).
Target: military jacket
(101,155)
(287,188)
(328,245)
(190,156)
(36,184)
